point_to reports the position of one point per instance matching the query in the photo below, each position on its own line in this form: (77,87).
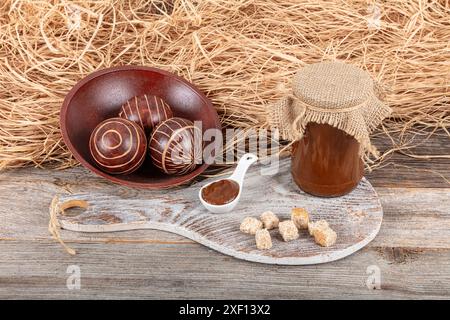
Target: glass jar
(326,161)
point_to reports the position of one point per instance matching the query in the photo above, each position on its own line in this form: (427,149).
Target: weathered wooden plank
(413,217)
(25,196)
(411,250)
(396,171)
(38,270)
(399,170)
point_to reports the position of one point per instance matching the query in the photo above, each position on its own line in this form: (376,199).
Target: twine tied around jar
(335,93)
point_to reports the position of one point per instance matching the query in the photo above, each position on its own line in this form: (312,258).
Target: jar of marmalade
(326,161)
(332,110)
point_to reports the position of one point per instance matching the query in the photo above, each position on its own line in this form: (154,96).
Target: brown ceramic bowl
(100,95)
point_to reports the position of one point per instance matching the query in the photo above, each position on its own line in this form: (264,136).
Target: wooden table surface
(412,250)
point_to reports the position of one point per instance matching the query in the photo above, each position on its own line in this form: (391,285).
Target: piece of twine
(56,209)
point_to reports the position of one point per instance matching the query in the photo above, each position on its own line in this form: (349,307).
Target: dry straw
(242,54)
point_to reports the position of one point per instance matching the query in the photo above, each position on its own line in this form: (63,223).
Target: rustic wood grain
(413,217)
(412,249)
(138,271)
(399,170)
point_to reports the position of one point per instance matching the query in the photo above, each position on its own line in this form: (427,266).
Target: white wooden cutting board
(356,217)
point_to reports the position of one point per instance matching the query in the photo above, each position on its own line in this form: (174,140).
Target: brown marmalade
(326,161)
(221,192)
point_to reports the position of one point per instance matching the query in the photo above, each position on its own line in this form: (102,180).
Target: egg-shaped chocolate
(118,146)
(176,146)
(146,110)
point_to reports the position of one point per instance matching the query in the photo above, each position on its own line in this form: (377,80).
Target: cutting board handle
(244,163)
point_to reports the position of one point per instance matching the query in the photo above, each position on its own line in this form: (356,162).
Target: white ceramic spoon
(238,175)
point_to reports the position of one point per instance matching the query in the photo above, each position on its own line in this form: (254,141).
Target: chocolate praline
(146,110)
(176,146)
(118,146)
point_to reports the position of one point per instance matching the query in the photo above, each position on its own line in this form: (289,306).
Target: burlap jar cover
(341,95)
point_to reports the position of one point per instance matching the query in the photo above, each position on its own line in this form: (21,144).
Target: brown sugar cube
(270,220)
(312,226)
(263,240)
(300,217)
(250,225)
(288,230)
(325,236)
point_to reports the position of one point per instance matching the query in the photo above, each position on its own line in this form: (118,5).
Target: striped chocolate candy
(146,110)
(176,146)
(118,146)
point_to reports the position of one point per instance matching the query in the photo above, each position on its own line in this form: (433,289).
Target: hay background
(242,54)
